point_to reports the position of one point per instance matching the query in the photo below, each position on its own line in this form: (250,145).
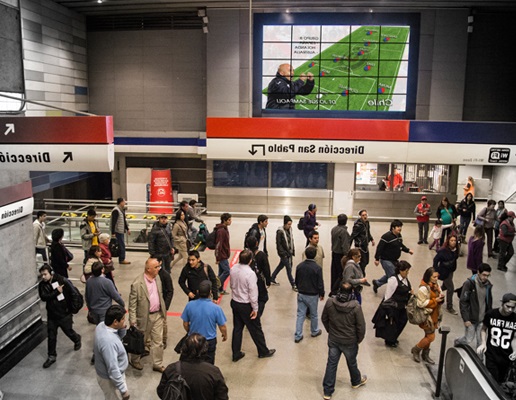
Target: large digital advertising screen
(336,64)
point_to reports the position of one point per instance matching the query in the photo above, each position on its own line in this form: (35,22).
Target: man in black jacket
(361,235)
(54,291)
(161,244)
(388,252)
(286,251)
(281,92)
(258,231)
(204,379)
(344,321)
(310,287)
(476,299)
(168,293)
(194,273)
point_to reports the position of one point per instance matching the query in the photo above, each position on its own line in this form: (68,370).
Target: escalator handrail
(483,370)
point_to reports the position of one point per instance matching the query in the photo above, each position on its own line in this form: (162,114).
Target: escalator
(467,378)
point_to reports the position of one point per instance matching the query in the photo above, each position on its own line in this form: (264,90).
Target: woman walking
(445,263)
(475,249)
(429,297)
(180,237)
(447,213)
(352,273)
(391,317)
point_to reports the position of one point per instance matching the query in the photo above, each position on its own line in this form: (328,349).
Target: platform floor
(296,370)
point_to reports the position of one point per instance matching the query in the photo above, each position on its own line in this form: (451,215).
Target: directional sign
(61,157)
(57,144)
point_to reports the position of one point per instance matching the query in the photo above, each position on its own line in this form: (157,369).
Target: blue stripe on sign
(81,90)
(462,132)
(153,141)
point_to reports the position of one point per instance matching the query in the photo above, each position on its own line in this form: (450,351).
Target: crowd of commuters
(152,291)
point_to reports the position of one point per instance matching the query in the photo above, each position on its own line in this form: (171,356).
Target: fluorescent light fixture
(205,29)
(205,20)
(201,12)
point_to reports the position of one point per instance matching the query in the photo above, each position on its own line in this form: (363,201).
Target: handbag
(478,222)
(68,254)
(113,247)
(134,341)
(179,344)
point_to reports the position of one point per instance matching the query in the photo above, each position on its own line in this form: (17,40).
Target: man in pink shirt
(147,312)
(244,303)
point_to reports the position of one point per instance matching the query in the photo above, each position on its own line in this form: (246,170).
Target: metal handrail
(20,313)
(15,299)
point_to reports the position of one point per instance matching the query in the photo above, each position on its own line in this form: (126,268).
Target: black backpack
(301,224)
(211,239)
(75,299)
(176,387)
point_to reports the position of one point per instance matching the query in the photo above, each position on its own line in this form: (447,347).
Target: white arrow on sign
(10,128)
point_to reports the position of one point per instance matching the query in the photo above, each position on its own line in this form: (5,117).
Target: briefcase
(134,341)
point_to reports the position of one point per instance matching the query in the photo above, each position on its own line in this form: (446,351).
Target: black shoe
(298,340)
(273,282)
(420,242)
(425,241)
(270,353)
(391,344)
(145,353)
(239,356)
(77,346)
(92,361)
(49,362)
(375,286)
(318,333)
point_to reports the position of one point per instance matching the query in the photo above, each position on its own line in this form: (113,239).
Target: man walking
(423,213)
(310,287)
(203,316)
(161,244)
(361,235)
(147,312)
(110,355)
(340,241)
(344,321)
(119,227)
(257,230)
(388,252)
(222,249)
(54,291)
(475,300)
(286,251)
(194,273)
(244,303)
(499,338)
(40,238)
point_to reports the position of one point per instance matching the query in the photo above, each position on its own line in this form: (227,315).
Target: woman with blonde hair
(429,297)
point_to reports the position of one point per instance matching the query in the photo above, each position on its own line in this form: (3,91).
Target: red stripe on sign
(56,130)
(11,194)
(307,128)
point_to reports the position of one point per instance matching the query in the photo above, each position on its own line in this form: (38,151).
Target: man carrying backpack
(55,292)
(475,300)
(191,377)
(258,231)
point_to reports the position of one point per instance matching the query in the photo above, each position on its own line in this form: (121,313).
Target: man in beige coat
(147,312)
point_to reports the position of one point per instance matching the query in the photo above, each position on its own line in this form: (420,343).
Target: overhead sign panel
(57,143)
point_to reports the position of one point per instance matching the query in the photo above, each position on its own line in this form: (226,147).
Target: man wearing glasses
(475,300)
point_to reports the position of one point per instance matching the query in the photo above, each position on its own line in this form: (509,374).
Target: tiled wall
(54,50)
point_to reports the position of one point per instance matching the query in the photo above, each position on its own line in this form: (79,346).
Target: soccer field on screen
(364,71)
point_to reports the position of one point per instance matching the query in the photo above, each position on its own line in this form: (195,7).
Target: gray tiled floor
(296,370)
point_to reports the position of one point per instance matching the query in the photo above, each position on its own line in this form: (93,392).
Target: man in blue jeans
(310,287)
(344,321)
(119,227)
(388,252)
(222,249)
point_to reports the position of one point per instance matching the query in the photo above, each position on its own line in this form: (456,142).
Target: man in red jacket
(423,212)
(222,249)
